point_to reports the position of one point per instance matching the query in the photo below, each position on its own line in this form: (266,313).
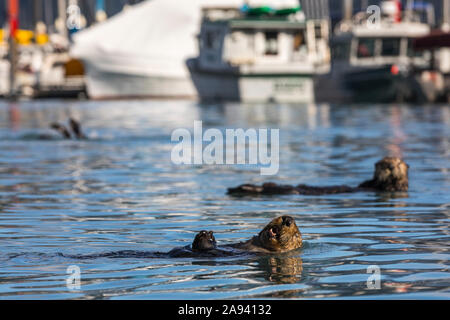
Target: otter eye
(287,221)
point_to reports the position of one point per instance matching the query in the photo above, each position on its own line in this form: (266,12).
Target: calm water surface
(120,191)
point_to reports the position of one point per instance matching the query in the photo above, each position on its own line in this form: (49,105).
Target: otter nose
(287,221)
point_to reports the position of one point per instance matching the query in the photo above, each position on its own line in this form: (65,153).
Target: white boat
(4,67)
(142,51)
(260,55)
(4,77)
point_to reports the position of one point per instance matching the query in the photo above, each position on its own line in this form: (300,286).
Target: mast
(13,14)
(100,14)
(62,17)
(37,12)
(347,9)
(446,15)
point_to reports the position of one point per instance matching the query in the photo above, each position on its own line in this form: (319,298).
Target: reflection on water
(119,191)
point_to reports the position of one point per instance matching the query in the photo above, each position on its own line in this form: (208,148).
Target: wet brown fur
(287,237)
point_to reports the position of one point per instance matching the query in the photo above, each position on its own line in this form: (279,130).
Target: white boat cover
(152,38)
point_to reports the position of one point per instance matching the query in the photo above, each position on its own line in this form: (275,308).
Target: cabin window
(411,51)
(390,47)
(271,43)
(299,41)
(366,48)
(318,32)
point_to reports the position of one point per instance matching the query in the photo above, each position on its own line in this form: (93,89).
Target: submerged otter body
(391,175)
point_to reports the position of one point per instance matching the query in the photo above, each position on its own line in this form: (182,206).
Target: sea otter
(279,236)
(74,126)
(391,175)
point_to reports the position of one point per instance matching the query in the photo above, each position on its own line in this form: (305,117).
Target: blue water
(119,190)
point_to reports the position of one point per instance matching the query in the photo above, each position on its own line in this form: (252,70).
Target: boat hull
(258,87)
(102,84)
(370,85)
(4,77)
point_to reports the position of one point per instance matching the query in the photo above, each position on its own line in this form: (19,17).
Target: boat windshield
(412,52)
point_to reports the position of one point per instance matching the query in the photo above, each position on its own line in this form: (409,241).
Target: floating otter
(279,236)
(74,126)
(391,175)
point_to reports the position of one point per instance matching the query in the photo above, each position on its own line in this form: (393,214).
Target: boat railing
(264,12)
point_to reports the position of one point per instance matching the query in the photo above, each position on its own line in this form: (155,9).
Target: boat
(376,62)
(438,43)
(259,54)
(36,64)
(142,51)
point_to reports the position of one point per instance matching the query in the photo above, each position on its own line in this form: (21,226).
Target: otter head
(204,240)
(391,174)
(280,235)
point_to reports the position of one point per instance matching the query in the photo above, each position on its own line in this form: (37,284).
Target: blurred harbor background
(292,50)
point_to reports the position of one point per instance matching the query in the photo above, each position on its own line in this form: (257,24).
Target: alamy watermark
(374,281)
(374,17)
(73,281)
(235,147)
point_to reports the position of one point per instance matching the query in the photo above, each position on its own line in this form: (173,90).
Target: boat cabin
(389,46)
(262,37)
(365,41)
